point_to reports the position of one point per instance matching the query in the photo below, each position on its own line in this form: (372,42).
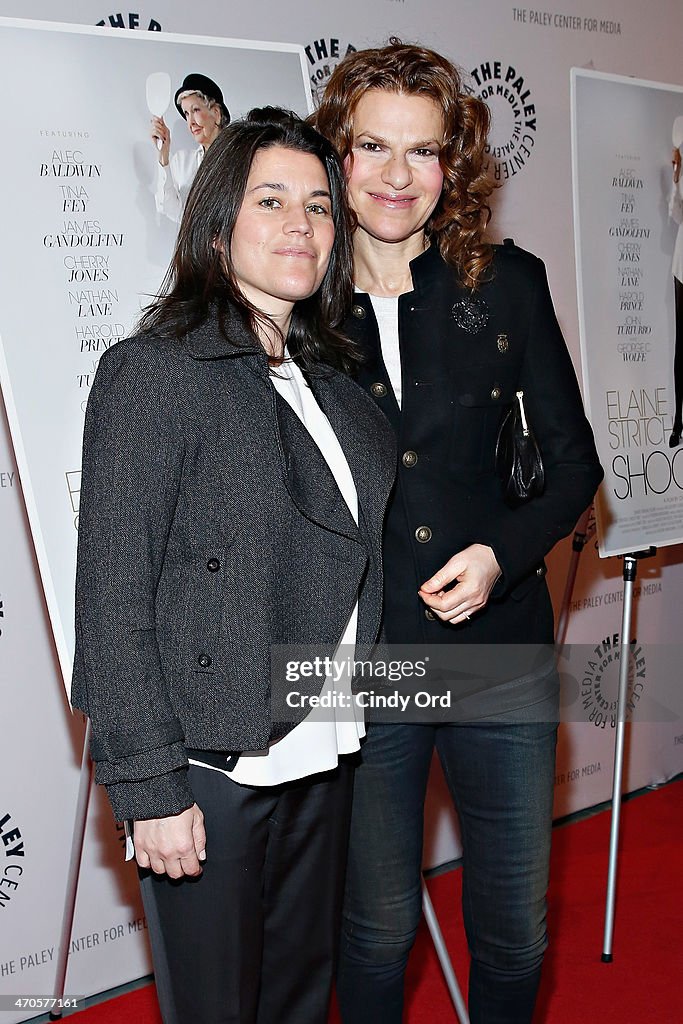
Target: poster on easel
(628,214)
(87,233)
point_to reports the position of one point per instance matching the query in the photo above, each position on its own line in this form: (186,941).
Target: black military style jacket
(463,356)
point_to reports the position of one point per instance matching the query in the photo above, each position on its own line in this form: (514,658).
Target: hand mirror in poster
(158,89)
(677,132)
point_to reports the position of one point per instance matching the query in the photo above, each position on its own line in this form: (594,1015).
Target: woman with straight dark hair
(233,488)
(452,328)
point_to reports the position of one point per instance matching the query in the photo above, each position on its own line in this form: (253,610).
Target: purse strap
(519,395)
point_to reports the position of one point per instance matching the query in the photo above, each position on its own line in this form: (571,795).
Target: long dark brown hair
(462,214)
(200,281)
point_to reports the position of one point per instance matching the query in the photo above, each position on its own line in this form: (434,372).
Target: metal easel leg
(81,816)
(630,573)
(442,954)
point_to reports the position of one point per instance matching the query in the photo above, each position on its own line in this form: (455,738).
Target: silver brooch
(471,314)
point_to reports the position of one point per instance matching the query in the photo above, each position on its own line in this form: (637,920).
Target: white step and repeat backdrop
(519,58)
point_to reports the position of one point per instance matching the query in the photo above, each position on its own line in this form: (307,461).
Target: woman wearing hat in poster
(200,102)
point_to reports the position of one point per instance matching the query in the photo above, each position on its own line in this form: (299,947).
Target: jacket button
(204,661)
(429,614)
(379,390)
(213,565)
(503,343)
(423,534)
(409,459)
(496,392)
(541,571)
(358,312)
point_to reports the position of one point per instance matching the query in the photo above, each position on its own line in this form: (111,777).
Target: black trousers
(254,939)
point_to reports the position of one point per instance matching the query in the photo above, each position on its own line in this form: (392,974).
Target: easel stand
(629,576)
(81,817)
(442,954)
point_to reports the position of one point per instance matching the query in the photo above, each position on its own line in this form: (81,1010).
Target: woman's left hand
(175,845)
(476,570)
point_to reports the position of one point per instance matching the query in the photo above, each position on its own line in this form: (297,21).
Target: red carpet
(641,986)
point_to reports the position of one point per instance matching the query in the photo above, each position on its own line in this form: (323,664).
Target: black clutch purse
(518,459)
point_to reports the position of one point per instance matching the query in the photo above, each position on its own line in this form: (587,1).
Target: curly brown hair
(462,214)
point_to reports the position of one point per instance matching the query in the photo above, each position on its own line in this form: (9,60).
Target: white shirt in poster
(173,182)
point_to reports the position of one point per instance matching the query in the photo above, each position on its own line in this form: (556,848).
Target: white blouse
(386,314)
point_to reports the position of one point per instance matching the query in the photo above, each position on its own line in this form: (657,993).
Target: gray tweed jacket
(210,529)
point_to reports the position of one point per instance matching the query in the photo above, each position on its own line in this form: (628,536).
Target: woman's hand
(676,162)
(161,134)
(476,570)
(173,845)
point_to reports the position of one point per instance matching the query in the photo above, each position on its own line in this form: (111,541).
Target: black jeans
(254,939)
(501,779)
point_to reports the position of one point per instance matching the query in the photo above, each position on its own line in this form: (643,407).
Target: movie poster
(628,208)
(87,233)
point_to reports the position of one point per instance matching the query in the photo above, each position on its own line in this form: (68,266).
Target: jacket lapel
(309,479)
(355,424)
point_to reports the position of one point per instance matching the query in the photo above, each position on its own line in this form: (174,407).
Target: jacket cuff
(140,767)
(117,744)
(158,797)
(501,586)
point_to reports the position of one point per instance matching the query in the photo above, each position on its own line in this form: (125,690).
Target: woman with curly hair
(451,328)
